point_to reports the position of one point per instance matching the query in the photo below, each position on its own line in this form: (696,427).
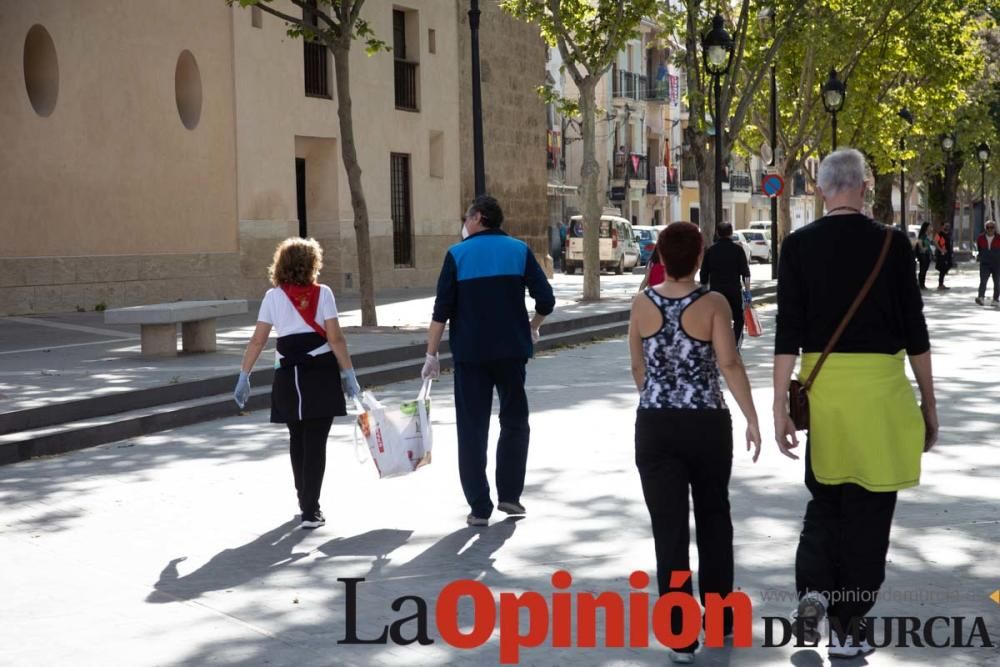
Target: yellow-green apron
(865,426)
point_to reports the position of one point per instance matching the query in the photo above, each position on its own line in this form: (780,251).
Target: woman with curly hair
(312,369)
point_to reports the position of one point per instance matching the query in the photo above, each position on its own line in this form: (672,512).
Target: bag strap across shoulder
(853,309)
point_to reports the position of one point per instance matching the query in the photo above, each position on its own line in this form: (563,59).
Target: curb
(75,425)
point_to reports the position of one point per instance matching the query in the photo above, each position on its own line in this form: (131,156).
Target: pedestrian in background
(312,368)
(988,246)
(866,432)
(562,245)
(925,253)
(680,338)
(655,273)
(726,271)
(944,254)
(481,293)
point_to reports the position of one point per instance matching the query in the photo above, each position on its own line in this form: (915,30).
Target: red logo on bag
(378,441)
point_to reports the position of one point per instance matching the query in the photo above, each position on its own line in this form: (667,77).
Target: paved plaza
(181,548)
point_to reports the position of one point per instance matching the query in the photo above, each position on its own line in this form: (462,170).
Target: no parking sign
(772,185)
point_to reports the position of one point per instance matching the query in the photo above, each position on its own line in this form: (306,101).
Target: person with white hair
(853,322)
(988,245)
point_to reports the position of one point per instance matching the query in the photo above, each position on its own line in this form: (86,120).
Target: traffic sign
(772,185)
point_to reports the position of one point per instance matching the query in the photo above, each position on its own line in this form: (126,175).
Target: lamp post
(834,90)
(905,114)
(477,102)
(767,19)
(983,155)
(717,47)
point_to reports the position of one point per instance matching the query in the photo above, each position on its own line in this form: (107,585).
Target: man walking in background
(988,245)
(726,271)
(481,292)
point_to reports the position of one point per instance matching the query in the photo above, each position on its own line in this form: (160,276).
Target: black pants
(676,450)
(307,446)
(925,263)
(985,273)
(737,308)
(474,384)
(842,548)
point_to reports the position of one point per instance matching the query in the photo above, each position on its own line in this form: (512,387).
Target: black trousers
(924,261)
(474,384)
(842,548)
(307,447)
(985,273)
(677,450)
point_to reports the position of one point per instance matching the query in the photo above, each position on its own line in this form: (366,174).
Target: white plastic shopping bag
(399,439)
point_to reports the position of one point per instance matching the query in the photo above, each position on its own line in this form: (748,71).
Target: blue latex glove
(747,296)
(349,382)
(242,392)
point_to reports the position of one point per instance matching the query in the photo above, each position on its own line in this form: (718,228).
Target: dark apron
(306,387)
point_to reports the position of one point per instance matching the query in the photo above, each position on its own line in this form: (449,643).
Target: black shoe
(314,520)
(511,507)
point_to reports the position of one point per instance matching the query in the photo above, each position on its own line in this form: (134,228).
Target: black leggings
(676,450)
(307,447)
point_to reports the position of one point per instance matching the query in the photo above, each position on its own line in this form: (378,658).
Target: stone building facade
(159,151)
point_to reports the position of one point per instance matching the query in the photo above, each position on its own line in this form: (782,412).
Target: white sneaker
(848,648)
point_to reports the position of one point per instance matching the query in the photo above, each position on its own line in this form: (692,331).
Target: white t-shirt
(277,310)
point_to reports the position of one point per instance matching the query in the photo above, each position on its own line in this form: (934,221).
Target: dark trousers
(307,447)
(736,304)
(985,273)
(842,548)
(474,384)
(676,450)
(924,261)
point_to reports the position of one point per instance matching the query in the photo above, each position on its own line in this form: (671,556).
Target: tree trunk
(882,206)
(589,173)
(341,50)
(784,213)
(706,184)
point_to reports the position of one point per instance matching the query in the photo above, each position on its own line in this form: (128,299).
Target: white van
(619,246)
(760,224)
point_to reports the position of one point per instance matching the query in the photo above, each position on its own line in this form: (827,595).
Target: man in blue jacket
(481,292)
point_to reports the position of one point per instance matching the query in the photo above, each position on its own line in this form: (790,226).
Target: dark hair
(679,246)
(489,209)
(724,230)
(923,230)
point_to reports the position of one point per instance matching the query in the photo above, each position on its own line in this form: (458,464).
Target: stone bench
(158,324)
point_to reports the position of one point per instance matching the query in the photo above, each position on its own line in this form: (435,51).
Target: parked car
(913,231)
(759,242)
(619,247)
(646,237)
(760,224)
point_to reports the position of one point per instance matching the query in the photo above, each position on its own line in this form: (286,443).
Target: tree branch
(287,18)
(309,9)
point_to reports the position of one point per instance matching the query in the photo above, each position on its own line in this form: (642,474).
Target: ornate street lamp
(905,114)
(834,91)
(948,143)
(717,46)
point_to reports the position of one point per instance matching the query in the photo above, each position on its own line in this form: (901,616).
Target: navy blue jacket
(481,292)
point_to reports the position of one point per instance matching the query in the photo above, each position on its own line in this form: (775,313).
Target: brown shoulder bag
(798,393)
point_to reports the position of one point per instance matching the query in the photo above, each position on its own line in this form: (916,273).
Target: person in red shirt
(988,245)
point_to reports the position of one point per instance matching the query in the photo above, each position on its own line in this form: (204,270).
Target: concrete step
(90,431)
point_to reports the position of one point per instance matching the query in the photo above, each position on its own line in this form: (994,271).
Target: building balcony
(637,170)
(740,181)
(627,85)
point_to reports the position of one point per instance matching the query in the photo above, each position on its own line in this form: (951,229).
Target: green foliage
(588,33)
(332,19)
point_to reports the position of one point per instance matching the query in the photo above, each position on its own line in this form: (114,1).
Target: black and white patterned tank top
(681,371)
